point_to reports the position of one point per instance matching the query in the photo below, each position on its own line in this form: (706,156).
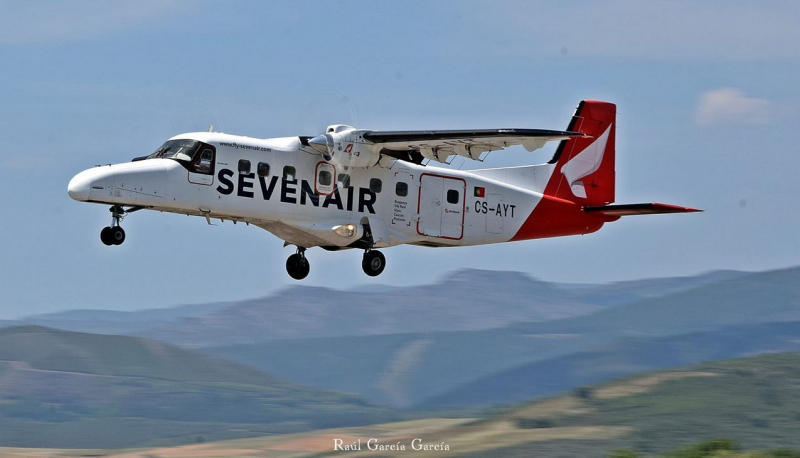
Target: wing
(438,145)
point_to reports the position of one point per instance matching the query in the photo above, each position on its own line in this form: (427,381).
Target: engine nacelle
(345,146)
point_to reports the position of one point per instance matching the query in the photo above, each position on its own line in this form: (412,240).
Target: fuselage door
(441,206)
(453,208)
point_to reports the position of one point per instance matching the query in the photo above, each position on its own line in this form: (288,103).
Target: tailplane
(615,211)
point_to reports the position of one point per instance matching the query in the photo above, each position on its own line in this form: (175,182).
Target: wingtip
(668,208)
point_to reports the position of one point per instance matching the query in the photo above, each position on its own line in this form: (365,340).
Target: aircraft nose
(80,186)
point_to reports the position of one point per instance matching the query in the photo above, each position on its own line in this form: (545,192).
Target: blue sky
(708,96)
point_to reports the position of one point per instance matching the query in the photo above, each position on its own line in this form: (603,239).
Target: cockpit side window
(205,162)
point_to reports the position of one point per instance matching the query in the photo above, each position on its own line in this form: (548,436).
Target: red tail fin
(584,170)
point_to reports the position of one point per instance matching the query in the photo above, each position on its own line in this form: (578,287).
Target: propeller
(319,115)
(324,109)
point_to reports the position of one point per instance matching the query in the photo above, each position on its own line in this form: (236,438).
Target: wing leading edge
(438,145)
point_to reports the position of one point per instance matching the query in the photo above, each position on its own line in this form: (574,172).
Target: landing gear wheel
(373,264)
(116,235)
(105,236)
(297,266)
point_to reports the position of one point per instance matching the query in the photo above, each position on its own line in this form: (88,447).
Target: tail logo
(585,163)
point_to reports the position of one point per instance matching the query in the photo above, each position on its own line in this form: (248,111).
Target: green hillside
(753,401)
(724,409)
(748,408)
(67,389)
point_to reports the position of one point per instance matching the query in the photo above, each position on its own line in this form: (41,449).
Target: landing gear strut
(114,234)
(297,265)
(373,263)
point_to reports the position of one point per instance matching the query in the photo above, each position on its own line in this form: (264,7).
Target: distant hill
(117,322)
(407,369)
(465,300)
(619,358)
(759,297)
(626,292)
(400,370)
(68,389)
(468,299)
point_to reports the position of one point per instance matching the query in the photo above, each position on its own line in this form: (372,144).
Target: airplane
(366,189)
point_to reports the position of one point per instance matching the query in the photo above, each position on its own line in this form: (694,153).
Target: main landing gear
(373,263)
(297,265)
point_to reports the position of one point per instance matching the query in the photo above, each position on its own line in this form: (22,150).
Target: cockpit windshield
(182,150)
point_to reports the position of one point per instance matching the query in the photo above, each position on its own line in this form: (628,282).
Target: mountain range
(308,358)
(411,370)
(464,300)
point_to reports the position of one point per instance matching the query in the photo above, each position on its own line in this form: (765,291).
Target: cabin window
(452,196)
(204,163)
(375,185)
(344,180)
(401,189)
(325,178)
(244,166)
(289,173)
(263,169)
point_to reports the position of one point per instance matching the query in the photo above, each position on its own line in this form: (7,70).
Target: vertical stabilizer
(584,171)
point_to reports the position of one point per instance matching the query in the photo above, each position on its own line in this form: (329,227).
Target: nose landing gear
(297,265)
(114,234)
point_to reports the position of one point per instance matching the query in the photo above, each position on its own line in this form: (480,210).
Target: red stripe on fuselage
(554,217)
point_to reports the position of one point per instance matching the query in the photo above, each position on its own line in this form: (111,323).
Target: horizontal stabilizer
(637,209)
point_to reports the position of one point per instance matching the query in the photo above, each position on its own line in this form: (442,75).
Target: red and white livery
(367,189)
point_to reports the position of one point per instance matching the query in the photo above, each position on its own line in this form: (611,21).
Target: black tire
(105,236)
(117,235)
(297,266)
(373,264)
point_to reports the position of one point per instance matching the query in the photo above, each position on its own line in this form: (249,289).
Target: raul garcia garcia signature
(415,444)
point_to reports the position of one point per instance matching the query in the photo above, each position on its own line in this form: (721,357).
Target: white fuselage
(400,201)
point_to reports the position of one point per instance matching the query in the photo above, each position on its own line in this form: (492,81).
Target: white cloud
(23,22)
(659,29)
(729,106)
